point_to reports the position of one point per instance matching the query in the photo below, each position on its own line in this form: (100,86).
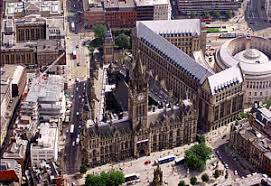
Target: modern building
(13,83)
(46,96)
(46,147)
(43,8)
(267,8)
(220,93)
(252,54)
(124,14)
(252,145)
(153,10)
(10,172)
(153,120)
(189,7)
(120,13)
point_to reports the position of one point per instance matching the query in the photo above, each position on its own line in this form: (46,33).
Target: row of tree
(216,14)
(112,178)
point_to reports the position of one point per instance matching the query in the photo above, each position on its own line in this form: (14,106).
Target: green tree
(205,177)
(197,156)
(193,14)
(83,169)
(228,14)
(200,138)
(216,14)
(206,14)
(181,183)
(216,174)
(99,30)
(193,180)
(112,178)
(123,41)
(116,178)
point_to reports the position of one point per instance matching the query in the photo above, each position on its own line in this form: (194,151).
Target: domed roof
(251,53)
(252,56)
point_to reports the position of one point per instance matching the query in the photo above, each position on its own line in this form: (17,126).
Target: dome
(251,53)
(252,56)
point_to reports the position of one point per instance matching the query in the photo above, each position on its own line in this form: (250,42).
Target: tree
(112,178)
(99,30)
(83,169)
(123,41)
(197,156)
(216,174)
(193,180)
(193,14)
(200,138)
(181,183)
(205,177)
(216,14)
(228,14)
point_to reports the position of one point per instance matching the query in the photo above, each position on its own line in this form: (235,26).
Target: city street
(72,149)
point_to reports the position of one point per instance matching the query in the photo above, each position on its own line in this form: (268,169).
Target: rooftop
(169,51)
(46,89)
(181,26)
(48,136)
(224,79)
(150,2)
(119,4)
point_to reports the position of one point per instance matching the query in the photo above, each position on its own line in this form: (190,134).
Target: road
(72,149)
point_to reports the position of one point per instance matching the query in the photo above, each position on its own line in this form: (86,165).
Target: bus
(165,159)
(72,129)
(179,161)
(131,177)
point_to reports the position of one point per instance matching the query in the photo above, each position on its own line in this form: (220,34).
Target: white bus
(131,177)
(72,129)
(165,159)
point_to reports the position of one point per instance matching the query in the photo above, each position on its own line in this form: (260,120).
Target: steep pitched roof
(225,78)
(174,55)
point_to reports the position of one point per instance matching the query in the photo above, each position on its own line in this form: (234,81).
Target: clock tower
(138,96)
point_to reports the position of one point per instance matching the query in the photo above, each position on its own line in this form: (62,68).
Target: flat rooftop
(150,2)
(119,4)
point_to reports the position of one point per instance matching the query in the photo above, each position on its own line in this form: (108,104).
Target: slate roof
(181,26)
(173,54)
(107,130)
(224,79)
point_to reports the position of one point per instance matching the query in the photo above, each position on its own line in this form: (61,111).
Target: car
(78,64)
(80,126)
(80,97)
(77,113)
(73,143)
(77,88)
(77,46)
(235,172)
(83,100)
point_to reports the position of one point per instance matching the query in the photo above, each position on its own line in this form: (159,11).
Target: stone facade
(253,55)
(186,78)
(143,131)
(252,145)
(108,47)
